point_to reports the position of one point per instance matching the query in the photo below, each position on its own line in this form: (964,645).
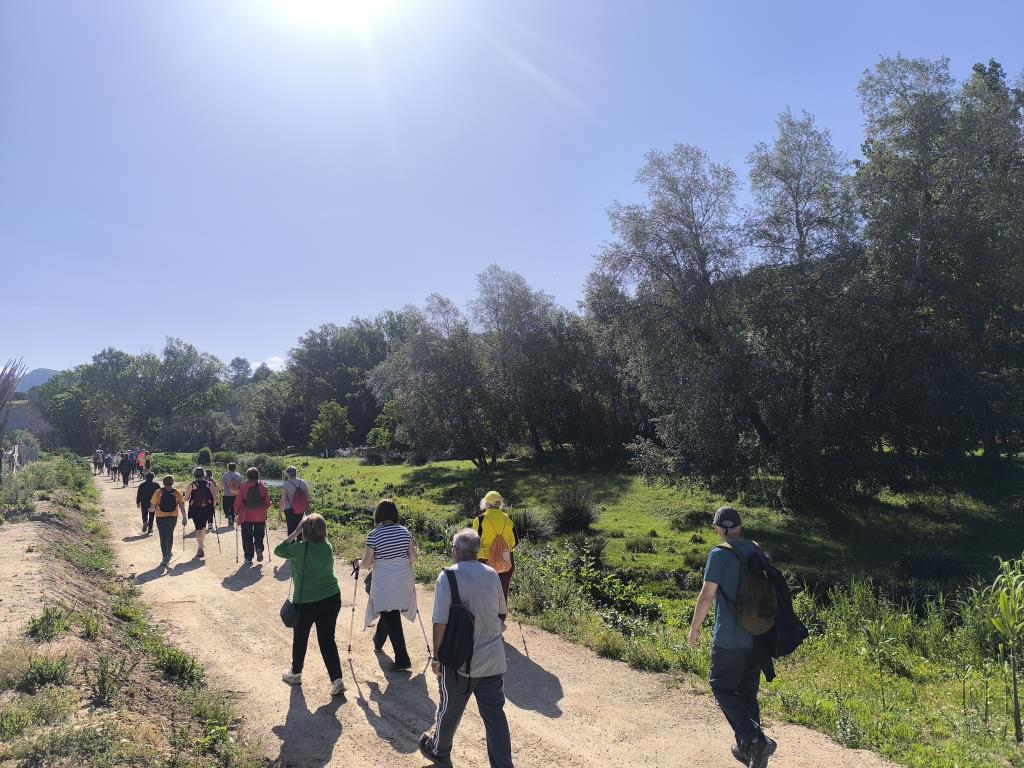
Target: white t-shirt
(291,485)
(226,480)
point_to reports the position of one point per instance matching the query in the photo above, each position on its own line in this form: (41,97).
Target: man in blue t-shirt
(735,662)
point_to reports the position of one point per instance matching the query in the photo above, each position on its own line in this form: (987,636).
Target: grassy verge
(90,682)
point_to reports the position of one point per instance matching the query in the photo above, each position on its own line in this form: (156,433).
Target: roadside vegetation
(88,681)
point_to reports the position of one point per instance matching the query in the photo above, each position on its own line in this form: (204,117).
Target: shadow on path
(530,686)
(180,568)
(405,710)
(136,537)
(283,572)
(245,576)
(308,738)
(147,576)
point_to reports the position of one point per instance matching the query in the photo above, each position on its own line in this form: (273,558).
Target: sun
(334,14)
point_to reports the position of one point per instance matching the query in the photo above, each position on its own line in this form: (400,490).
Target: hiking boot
(742,755)
(248,561)
(401,665)
(427,750)
(200,553)
(338,687)
(292,678)
(259,557)
(760,751)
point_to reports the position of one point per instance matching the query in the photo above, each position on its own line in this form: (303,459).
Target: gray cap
(291,471)
(727,518)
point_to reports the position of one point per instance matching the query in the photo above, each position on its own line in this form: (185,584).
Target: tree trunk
(538,448)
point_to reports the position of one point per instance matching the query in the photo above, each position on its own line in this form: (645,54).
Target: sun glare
(329,15)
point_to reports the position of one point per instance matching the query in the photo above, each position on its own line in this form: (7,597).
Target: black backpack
(456,649)
(201,496)
(756,604)
(168,500)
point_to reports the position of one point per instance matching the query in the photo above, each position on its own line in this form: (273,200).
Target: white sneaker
(338,687)
(291,678)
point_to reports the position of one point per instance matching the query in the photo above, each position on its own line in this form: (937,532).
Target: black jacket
(145,493)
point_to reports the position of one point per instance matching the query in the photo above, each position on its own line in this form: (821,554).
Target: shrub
(109,678)
(640,544)
(50,624)
(573,511)
(204,457)
(49,706)
(90,623)
(685,521)
(270,467)
(590,548)
(15,657)
(46,670)
(180,667)
(530,525)
(221,458)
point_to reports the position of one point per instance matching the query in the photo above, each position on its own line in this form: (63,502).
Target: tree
(331,428)
(239,371)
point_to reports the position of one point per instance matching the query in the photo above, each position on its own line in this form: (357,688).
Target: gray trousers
(490,699)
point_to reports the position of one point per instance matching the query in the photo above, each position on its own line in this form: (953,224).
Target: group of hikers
(753,617)
(126,464)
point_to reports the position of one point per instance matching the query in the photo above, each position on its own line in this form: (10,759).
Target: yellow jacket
(491,523)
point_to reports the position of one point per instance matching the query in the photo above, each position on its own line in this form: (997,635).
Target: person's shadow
(404,702)
(184,566)
(136,537)
(308,738)
(283,572)
(245,576)
(150,575)
(530,686)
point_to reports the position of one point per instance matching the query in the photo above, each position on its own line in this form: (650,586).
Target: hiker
(143,499)
(108,462)
(294,499)
(166,503)
(97,461)
(476,587)
(200,497)
(390,554)
(498,538)
(230,482)
(140,463)
(251,507)
(125,467)
(213,487)
(315,592)
(736,659)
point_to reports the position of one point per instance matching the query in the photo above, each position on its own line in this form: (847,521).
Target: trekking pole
(266,530)
(236,544)
(419,616)
(216,530)
(355,593)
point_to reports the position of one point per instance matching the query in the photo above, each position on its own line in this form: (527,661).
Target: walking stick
(419,616)
(266,530)
(355,593)
(236,543)
(216,530)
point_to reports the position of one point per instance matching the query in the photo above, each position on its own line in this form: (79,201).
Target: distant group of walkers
(126,464)
(753,617)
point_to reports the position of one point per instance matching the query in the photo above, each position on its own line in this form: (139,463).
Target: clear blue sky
(235,172)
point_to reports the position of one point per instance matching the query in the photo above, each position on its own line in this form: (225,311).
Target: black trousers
(253,538)
(291,520)
(165,527)
(323,613)
(735,679)
(147,516)
(389,624)
(229,508)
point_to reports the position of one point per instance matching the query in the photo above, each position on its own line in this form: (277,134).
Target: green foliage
(109,677)
(47,707)
(204,458)
(331,429)
(44,670)
(90,624)
(180,667)
(573,511)
(50,624)
(530,524)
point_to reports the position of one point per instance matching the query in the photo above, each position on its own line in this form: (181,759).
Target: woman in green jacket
(316,594)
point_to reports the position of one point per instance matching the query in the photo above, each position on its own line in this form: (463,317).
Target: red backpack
(300,501)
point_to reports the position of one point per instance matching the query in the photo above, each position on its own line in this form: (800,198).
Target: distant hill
(35,378)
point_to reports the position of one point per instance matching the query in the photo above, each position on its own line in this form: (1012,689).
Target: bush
(46,670)
(270,467)
(640,544)
(531,525)
(590,548)
(49,706)
(221,458)
(180,667)
(109,678)
(204,457)
(50,624)
(573,511)
(90,623)
(685,521)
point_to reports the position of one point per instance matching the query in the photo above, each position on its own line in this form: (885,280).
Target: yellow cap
(493,499)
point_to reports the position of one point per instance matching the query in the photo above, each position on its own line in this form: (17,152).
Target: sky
(236,172)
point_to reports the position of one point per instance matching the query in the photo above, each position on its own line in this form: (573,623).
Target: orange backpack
(499,556)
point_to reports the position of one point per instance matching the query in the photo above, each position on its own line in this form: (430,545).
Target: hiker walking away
(167,502)
(230,482)
(125,466)
(294,499)
(199,495)
(471,586)
(251,507)
(143,500)
(108,462)
(213,488)
(97,461)
(140,463)
(391,554)
(736,657)
(315,592)
(498,538)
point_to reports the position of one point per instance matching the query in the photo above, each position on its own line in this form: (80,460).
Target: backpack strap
(729,601)
(453,585)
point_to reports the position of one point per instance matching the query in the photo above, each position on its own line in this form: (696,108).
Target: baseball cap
(727,518)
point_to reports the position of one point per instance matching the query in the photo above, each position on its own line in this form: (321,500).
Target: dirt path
(566,706)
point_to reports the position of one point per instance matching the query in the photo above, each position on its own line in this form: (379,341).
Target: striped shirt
(390,542)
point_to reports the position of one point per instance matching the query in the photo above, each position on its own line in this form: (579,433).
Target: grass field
(895,563)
